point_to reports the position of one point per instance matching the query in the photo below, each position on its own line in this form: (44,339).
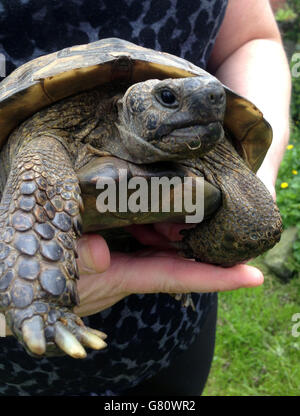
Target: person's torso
(186,28)
(146,332)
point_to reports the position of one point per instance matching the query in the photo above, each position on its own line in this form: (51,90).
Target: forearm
(259,71)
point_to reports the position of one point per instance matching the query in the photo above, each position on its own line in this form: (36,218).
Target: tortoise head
(173,118)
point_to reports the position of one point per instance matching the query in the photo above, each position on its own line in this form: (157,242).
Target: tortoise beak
(196,127)
(206,102)
(203,102)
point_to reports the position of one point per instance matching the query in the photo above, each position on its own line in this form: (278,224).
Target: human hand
(106,278)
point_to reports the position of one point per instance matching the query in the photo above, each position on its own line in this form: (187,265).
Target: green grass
(288,197)
(256,354)
(286,14)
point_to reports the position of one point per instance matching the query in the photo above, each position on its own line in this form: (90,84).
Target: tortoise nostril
(222,97)
(216,97)
(212,98)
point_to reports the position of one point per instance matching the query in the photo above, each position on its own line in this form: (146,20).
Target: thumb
(93,254)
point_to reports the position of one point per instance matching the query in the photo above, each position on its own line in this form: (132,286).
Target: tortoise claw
(38,270)
(33,335)
(99,334)
(68,342)
(91,340)
(46,330)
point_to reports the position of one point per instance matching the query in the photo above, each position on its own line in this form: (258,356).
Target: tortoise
(70,117)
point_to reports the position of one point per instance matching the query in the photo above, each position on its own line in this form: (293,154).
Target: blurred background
(258,338)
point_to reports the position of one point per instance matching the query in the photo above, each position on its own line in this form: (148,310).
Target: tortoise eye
(167,97)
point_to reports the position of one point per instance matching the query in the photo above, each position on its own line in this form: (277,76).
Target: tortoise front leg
(39,225)
(246,225)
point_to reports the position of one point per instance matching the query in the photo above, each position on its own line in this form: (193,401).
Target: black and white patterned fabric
(145,332)
(30,28)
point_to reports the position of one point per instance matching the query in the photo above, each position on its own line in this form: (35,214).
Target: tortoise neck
(82,118)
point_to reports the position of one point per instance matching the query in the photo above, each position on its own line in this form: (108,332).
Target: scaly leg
(247,224)
(40,220)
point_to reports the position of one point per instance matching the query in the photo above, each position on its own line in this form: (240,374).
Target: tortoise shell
(49,78)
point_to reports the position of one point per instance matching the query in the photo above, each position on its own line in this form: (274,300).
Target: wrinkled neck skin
(247,224)
(78,121)
(87,123)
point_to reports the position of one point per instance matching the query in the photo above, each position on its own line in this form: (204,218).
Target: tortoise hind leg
(39,224)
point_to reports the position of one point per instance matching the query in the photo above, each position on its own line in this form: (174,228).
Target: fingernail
(85,258)
(259,277)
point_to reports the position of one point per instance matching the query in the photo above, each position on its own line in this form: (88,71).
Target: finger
(171,231)
(159,234)
(171,274)
(93,254)
(147,235)
(154,252)
(163,271)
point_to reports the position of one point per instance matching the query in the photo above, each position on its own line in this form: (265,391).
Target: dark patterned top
(145,332)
